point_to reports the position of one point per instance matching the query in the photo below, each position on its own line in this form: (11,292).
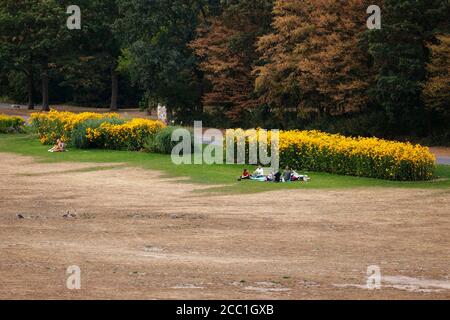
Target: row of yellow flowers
(126,135)
(59,124)
(356,156)
(302,150)
(368,157)
(10,124)
(130,135)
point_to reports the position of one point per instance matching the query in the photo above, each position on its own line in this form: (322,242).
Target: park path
(443,160)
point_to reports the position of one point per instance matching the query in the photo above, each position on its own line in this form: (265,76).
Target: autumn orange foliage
(314,55)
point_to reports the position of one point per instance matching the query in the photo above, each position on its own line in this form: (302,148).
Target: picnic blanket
(259,178)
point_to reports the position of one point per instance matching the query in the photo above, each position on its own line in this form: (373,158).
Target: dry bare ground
(137,235)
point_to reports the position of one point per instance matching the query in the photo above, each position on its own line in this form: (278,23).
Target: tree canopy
(274,63)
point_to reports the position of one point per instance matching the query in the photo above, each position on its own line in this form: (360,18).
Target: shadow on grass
(89,169)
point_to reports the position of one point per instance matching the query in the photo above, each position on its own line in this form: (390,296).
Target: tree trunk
(170,115)
(30,88)
(114,89)
(45,105)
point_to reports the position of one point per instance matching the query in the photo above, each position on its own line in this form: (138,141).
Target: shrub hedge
(363,157)
(59,125)
(11,124)
(79,137)
(302,150)
(131,135)
(94,130)
(162,141)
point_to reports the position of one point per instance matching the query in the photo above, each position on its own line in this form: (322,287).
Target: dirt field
(139,236)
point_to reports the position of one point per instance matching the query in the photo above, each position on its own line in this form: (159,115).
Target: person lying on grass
(245,175)
(59,147)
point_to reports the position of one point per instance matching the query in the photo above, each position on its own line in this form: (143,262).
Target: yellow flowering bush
(364,157)
(10,124)
(130,135)
(90,129)
(302,150)
(55,124)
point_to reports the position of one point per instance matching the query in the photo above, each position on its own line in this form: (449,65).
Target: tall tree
(436,92)
(51,39)
(99,17)
(16,41)
(312,61)
(33,33)
(337,63)
(156,55)
(226,47)
(400,55)
(277,80)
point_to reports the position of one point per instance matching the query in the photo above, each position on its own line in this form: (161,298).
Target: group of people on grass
(286,176)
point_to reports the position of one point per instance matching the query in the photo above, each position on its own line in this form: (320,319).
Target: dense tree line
(272,63)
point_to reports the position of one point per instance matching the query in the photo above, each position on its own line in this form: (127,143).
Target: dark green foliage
(79,63)
(162,141)
(11,124)
(78,137)
(156,53)
(363,124)
(33,37)
(149,45)
(400,57)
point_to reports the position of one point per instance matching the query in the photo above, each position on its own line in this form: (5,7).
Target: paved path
(4,105)
(22,106)
(443,160)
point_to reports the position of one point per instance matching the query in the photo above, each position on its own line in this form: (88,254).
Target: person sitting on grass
(245,175)
(295,176)
(259,172)
(59,147)
(287,174)
(277,176)
(299,177)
